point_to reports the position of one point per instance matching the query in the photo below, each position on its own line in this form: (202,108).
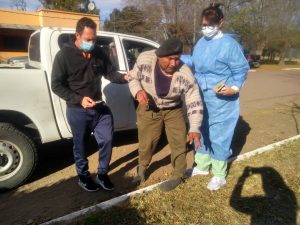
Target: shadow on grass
(117,215)
(277,207)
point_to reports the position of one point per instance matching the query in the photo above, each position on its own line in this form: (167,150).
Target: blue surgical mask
(209,31)
(87,46)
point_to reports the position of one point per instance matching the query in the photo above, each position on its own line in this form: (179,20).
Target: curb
(103,205)
(267,148)
(117,200)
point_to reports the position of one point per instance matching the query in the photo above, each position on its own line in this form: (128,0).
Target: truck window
(34,48)
(107,44)
(133,49)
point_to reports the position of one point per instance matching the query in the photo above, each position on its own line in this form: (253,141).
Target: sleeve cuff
(134,90)
(194,129)
(235,88)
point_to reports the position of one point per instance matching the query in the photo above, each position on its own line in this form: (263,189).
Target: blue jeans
(82,121)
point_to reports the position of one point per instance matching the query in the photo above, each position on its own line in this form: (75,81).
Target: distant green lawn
(263,190)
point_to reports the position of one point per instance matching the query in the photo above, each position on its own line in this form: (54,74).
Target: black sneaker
(104,182)
(87,184)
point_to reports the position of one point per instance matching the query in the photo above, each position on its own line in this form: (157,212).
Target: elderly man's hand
(127,77)
(142,98)
(195,137)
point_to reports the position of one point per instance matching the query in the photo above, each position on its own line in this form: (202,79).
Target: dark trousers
(98,120)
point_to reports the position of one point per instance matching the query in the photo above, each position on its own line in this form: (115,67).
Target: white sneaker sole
(216,187)
(84,187)
(195,172)
(102,185)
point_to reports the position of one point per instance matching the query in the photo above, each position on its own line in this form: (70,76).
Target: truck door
(117,96)
(132,47)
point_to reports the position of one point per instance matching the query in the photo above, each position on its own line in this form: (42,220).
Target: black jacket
(74,76)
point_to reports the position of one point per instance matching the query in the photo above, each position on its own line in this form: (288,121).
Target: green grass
(263,190)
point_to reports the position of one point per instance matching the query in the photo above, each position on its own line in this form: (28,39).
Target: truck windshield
(107,44)
(133,49)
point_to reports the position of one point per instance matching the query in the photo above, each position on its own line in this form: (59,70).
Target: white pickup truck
(30,114)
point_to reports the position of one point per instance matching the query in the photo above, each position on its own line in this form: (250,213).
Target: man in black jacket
(76,78)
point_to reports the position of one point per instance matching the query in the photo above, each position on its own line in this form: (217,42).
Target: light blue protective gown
(214,61)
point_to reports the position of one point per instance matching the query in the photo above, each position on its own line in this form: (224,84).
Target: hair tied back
(215,5)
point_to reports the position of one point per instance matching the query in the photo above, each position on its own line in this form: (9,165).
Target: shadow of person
(118,215)
(130,161)
(295,109)
(167,159)
(241,132)
(58,155)
(61,198)
(125,137)
(277,207)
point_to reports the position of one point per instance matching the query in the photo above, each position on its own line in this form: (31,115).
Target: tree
(68,5)
(20,4)
(131,20)
(259,24)
(172,18)
(283,30)
(269,25)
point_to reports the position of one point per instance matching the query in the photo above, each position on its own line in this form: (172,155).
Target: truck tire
(18,157)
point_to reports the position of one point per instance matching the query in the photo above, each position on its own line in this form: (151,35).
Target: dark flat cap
(172,46)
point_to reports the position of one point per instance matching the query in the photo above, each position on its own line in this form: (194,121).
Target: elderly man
(158,82)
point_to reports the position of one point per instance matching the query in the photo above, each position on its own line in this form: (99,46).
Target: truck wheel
(18,157)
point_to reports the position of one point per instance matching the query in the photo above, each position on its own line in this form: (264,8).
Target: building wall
(17,26)
(15,17)
(55,18)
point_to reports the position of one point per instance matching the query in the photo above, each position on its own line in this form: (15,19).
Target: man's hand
(126,77)
(225,91)
(142,98)
(193,136)
(87,102)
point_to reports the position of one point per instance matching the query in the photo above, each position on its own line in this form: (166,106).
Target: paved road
(270,111)
(264,89)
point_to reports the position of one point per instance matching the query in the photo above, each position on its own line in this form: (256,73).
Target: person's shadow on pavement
(277,207)
(241,132)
